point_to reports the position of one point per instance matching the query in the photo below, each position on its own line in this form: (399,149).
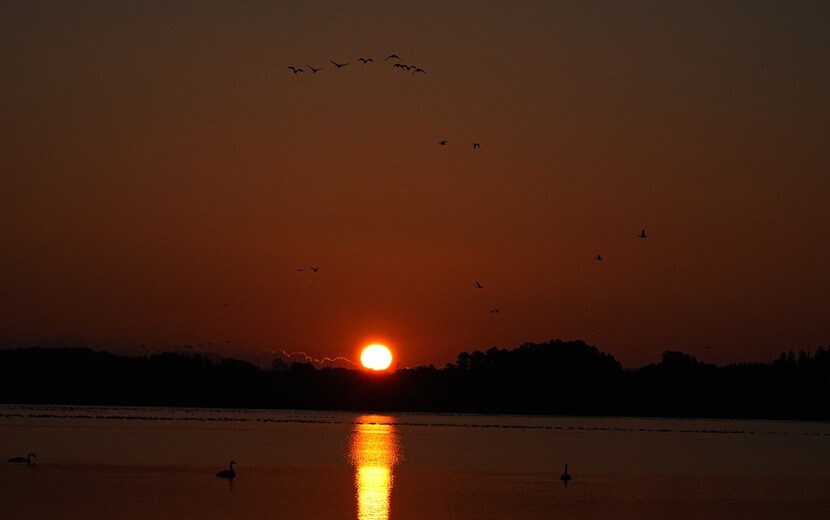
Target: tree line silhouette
(556,378)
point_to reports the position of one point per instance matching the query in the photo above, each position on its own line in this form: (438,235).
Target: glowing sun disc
(376,357)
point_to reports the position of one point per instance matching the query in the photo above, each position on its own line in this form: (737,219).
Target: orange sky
(159,162)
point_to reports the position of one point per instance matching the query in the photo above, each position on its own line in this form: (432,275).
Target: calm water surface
(131,463)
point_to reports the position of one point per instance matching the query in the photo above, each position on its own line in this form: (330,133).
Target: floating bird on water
(476,145)
(313,70)
(642,233)
(479,286)
(393,56)
(565,476)
(27,459)
(295,69)
(339,65)
(598,257)
(366,60)
(228,473)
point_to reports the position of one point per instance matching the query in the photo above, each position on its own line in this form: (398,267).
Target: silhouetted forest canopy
(553,378)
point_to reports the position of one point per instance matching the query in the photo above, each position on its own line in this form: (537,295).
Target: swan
(27,459)
(565,476)
(228,473)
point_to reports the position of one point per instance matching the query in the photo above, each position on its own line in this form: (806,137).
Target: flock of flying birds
(365,60)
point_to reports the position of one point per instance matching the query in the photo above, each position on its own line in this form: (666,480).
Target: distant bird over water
(228,473)
(23,460)
(643,234)
(565,476)
(295,69)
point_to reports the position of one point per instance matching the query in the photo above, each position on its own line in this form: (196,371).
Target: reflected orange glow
(374,451)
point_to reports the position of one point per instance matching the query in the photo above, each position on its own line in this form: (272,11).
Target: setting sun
(376,357)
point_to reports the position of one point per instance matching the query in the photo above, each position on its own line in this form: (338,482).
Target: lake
(161,463)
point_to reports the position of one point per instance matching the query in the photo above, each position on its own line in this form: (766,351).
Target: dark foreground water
(140,463)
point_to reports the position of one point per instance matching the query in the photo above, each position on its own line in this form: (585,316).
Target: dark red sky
(161,161)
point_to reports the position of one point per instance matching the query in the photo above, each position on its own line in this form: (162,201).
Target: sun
(376,357)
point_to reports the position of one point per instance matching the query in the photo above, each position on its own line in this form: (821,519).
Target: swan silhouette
(228,473)
(565,476)
(27,459)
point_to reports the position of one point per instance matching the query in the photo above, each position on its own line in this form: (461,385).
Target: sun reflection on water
(374,451)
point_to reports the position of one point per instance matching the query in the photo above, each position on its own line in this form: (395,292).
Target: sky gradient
(164,175)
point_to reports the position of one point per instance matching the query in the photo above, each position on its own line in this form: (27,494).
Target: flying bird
(399,66)
(299,269)
(228,473)
(419,69)
(295,69)
(339,65)
(598,257)
(313,70)
(479,286)
(315,269)
(643,234)
(21,460)
(476,145)
(495,311)
(393,56)
(442,143)
(366,60)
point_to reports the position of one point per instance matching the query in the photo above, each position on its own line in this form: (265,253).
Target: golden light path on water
(374,451)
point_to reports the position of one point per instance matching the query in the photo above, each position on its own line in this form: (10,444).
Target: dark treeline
(556,378)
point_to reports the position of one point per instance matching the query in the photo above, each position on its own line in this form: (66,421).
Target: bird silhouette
(313,70)
(598,257)
(228,473)
(495,311)
(479,286)
(419,69)
(315,269)
(366,60)
(300,269)
(565,476)
(393,56)
(442,143)
(476,145)
(339,65)
(21,460)
(399,66)
(295,69)
(642,233)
